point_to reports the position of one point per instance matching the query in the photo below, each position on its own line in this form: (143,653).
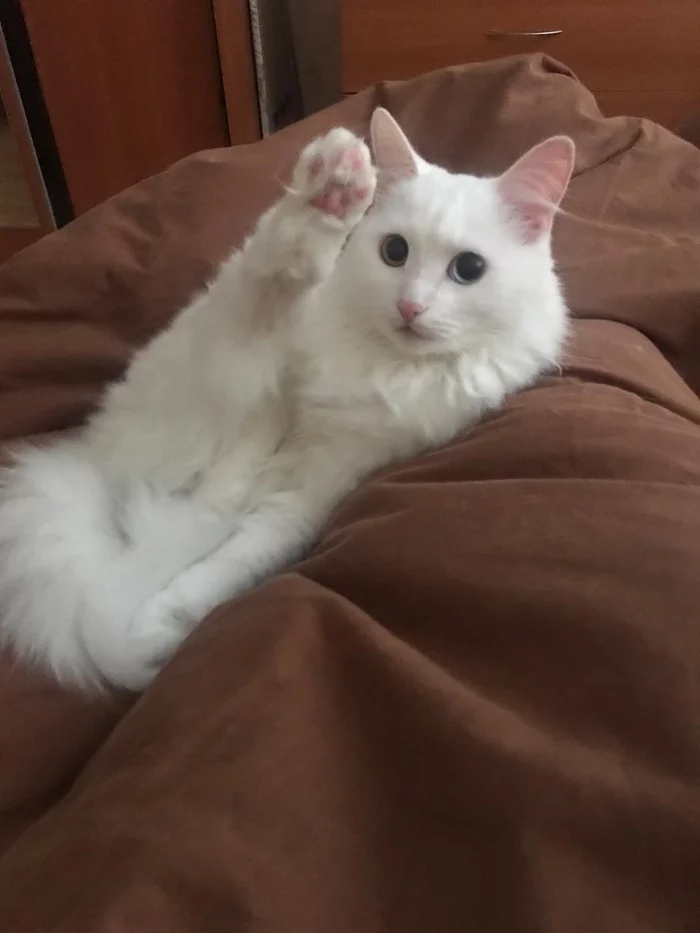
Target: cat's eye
(394,250)
(466,268)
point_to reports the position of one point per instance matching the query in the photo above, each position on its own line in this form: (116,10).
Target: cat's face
(448,263)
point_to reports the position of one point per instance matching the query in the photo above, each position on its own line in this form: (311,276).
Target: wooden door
(130,87)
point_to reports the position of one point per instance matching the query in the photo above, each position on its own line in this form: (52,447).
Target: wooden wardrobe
(639,57)
(98,94)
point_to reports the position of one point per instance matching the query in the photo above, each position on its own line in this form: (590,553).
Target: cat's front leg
(300,238)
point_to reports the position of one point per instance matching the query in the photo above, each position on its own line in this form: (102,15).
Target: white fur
(218,458)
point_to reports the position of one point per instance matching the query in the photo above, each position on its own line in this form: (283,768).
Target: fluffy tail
(70,582)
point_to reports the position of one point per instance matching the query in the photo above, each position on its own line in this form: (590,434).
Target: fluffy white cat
(337,340)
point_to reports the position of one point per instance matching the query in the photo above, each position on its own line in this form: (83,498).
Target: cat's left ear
(393,154)
(535,185)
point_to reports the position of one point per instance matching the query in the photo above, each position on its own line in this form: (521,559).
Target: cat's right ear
(393,154)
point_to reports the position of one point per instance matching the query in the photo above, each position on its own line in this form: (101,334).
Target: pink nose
(409,310)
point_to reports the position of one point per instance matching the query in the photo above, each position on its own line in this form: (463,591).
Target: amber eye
(394,250)
(466,268)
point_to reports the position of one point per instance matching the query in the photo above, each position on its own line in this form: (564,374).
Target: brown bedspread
(476,707)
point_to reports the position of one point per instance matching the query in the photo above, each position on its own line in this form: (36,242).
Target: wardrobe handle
(505,34)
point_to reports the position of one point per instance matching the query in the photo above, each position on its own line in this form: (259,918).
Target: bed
(476,704)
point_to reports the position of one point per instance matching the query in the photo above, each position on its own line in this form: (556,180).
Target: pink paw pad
(349,184)
(330,201)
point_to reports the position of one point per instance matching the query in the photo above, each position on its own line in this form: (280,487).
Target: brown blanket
(476,706)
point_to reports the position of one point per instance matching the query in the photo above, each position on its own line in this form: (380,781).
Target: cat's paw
(156,639)
(336,176)
(178,608)
(165,614)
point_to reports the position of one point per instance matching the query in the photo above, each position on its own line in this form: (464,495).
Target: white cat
(337,340)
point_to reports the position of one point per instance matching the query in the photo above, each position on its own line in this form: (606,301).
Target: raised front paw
(336,176)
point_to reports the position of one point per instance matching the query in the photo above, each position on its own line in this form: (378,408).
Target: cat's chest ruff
(413,399)
(344,380)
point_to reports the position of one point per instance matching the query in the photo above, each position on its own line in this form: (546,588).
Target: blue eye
(466,268)
(394,250)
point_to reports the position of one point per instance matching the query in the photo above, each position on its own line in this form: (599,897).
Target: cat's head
(446,263)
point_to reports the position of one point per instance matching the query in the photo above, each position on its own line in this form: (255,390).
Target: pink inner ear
(535,220)
(537,182)
(393,153)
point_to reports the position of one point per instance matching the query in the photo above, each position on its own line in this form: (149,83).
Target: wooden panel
(670,108)
(613,45)
(238,70)
(12,241)
(130,86)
